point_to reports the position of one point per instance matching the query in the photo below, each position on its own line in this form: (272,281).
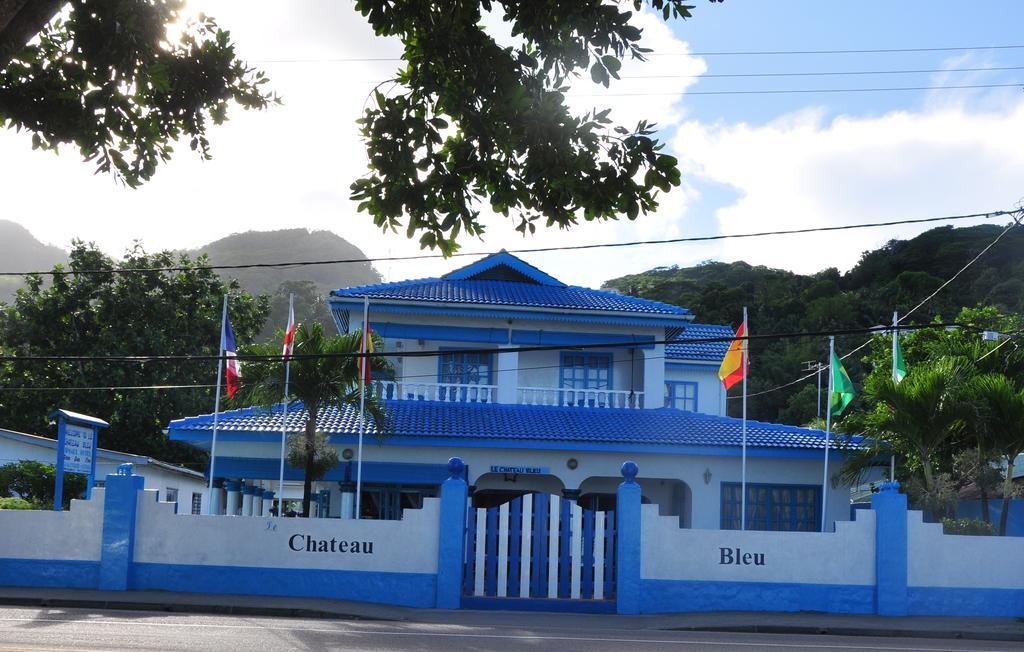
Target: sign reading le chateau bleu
(520,470)
(308,543)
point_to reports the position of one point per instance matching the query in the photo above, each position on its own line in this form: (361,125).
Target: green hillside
(310,284)
(20,252)
(896,276)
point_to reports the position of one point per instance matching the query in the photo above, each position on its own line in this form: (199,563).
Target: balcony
(594,398)
(459,393)
(445,392)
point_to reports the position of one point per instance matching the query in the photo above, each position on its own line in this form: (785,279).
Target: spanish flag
(366,364)
(733,367)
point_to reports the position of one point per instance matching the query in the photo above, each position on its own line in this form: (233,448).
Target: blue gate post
(890,550)
(452,544)
(627,543)
(120,506)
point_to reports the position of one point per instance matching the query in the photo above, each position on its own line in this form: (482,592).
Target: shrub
(15,503)
(967,526)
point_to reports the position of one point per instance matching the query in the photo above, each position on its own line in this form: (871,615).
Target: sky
(751,162)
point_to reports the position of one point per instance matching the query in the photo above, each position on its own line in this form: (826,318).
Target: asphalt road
(29,628)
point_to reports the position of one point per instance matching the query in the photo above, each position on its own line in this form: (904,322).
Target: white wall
(937,559)
(710,393)
(408,546)
(846,556)
(536,369)
(656,466)
(157,477)
(70,535)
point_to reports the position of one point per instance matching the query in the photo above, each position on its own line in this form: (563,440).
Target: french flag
(233,369)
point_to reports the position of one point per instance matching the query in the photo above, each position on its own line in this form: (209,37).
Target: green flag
(842,387)
(899,365)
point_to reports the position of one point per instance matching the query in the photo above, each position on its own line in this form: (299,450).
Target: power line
(981,253)
(434,353)
(790,91)
(243,357)
(686,54)
(828,73)
(604,245)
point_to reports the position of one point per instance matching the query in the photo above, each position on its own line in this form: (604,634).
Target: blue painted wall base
(674,596)
(404,589)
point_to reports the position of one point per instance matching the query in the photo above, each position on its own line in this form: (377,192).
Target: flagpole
(362,408)
(828,427)
(284,415)
(743,464)
(895,368)
(216,407)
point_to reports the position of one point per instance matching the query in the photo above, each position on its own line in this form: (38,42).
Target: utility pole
(817,367)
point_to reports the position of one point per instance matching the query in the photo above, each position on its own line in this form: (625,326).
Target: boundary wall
(887,561)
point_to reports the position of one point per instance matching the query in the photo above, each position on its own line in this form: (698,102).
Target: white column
(246,500)
(234,497)
(348,504)
(268,503)
(257,501)
(654,377)
(507,377)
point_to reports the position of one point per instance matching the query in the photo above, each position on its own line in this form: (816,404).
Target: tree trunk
(985,516)
(20,21)
(1007,492)
(307,482)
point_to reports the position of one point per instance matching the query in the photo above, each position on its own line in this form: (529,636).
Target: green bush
(34,481)
(966,526)
(15,503)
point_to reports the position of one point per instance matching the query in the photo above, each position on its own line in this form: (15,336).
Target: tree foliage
(783,302)
(467,119)
(104,77)
(109,314)
(35,482)
(328,377)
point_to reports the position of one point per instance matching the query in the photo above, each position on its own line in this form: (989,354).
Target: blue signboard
(77,435)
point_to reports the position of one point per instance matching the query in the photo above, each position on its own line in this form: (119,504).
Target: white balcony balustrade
(400,390)
(593,398)
(445,392)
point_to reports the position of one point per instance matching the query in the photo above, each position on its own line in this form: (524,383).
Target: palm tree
(921,414)
(324,374)
(999,422)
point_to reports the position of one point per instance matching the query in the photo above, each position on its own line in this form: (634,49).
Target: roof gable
(503,266)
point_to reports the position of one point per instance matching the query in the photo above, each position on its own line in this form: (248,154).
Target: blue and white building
(540,387)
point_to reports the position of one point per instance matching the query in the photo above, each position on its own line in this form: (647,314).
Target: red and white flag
(233,369)
(289,334)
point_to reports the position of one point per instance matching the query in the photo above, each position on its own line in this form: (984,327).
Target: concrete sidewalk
(994,629)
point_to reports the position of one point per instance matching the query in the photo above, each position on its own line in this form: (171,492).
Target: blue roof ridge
(350,291)
(683,311)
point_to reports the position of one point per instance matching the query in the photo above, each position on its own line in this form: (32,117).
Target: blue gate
(540,552)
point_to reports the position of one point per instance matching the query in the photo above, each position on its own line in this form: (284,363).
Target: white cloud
(800,172)
(291,166)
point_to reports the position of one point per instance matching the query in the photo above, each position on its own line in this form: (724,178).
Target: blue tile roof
(428,420)
(710,351)
(508,293)
(471,286)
